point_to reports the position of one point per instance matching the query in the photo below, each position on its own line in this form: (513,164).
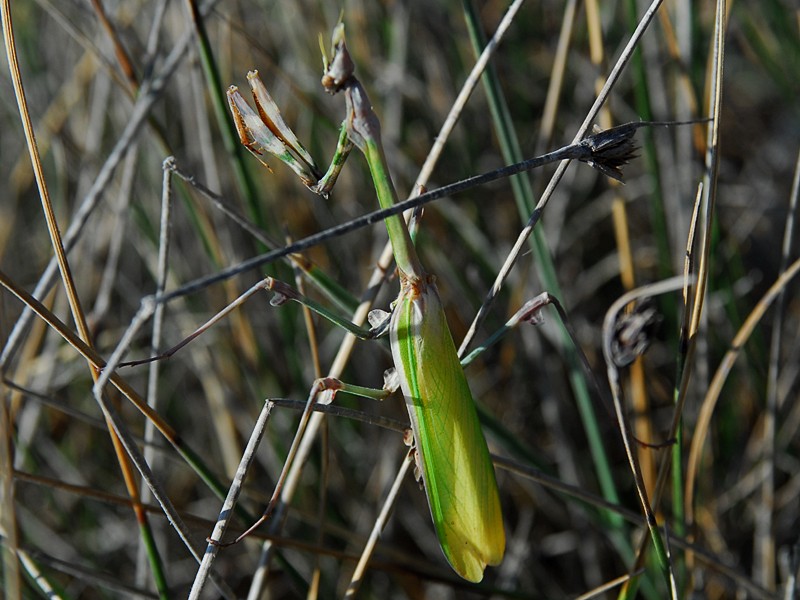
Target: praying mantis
(453,457)
(452,454)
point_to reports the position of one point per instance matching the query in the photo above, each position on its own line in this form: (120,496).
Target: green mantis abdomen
(454,460)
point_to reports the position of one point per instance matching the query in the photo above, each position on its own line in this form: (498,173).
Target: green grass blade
(523,194)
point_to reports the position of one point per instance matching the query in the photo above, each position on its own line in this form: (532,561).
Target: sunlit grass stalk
(640,400)
(231,500)
(74,301)
(716,64)
(765,543)
(524,196)
(683,489)
(660,222)
(627,275)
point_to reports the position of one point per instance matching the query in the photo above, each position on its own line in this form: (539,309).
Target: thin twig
(661,287)
(606,151)
(380,523)
(764,535)
(230,501)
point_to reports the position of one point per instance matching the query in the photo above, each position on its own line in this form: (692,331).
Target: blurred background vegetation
(108,108)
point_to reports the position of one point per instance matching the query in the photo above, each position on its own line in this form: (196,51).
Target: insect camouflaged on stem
(453,458)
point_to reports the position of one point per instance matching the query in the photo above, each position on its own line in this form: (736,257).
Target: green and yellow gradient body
(452,454)
(453,457)
(456,469)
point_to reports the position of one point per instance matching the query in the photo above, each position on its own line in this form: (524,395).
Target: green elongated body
(452,454)
(453,457)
